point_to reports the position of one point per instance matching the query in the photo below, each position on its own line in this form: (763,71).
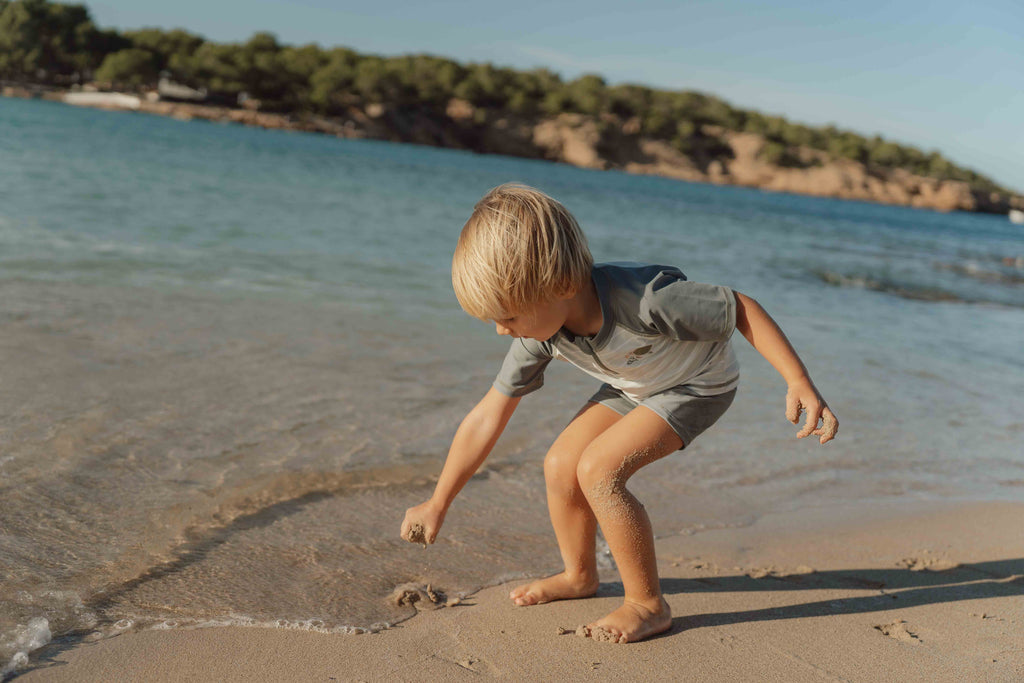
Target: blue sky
(938,75)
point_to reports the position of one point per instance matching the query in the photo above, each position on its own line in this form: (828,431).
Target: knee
(560,468)
(596,477)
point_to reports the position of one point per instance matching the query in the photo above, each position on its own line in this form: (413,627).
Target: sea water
(231,358)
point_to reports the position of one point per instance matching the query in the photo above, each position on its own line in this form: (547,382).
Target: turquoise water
(232,358)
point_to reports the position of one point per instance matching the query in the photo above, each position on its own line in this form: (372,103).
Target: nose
(502,330)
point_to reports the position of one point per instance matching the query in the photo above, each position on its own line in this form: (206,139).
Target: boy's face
(540,321)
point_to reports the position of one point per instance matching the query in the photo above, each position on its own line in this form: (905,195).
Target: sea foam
(24,640)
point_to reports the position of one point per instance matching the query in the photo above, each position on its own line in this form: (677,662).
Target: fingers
(829,426)
(813,415)
(413,530)
(793,408)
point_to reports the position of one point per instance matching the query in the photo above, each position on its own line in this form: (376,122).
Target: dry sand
(830,594)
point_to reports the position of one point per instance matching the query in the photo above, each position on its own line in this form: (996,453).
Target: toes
(614,635)
(602,634)
(523,598)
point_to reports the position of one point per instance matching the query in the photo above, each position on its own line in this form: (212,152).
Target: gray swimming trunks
(687,413)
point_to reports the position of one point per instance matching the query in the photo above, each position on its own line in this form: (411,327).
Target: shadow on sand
(889,589)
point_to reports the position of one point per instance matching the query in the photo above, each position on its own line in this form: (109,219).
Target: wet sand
(901,591)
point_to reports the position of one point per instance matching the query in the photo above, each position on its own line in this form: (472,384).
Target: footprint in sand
(779,573)
(468,664)
(899,630)
(926,561)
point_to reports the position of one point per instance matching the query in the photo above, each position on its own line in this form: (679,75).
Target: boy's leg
(571,516)
(638,439)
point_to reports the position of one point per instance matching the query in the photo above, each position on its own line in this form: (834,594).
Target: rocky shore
(603,143)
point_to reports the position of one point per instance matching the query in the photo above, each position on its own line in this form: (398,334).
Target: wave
(1007,271)
(878,284)
(22,641)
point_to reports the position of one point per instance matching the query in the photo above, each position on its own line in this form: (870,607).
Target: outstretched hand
(804,396)
(422,523)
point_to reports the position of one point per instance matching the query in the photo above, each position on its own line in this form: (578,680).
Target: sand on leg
(638,439)
(571,516)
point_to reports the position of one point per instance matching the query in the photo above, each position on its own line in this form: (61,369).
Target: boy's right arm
(472,444)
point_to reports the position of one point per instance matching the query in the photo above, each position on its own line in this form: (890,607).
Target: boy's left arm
(767,337)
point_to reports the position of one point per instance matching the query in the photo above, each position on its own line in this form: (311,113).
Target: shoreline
(913,590)
(584,142)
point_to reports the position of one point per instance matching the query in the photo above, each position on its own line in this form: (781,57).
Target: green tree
(628,100)
(421,80)
(527,90)
(132,67)
(299,65)
(165,45)
(588,94)
(939,167)
(260,72)
(47,42)
(486,86)
(779,154)
(332,85)
(375,81)
(885,154)
(214,66)
(848,146)
(433,79)
(718,112)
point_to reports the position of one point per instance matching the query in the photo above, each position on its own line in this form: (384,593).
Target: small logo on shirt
(635,354)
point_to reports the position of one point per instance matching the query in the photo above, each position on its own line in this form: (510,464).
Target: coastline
(908,590)
(585,142)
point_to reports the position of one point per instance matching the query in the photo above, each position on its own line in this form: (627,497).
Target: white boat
(1016,216)
(113,100)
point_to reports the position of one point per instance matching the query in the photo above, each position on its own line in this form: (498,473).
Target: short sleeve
(522,372)
(689,311)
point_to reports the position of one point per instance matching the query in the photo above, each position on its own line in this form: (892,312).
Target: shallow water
(231,359)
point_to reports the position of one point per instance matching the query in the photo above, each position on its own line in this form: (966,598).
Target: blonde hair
(519,248)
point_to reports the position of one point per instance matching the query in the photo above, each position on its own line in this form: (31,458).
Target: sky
(944,75)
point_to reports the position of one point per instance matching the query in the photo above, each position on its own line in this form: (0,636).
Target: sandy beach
(910,592)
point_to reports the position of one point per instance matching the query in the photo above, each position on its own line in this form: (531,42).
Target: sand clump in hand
(417,535)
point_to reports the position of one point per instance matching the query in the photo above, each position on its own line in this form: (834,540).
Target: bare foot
(630,623)
(557,587)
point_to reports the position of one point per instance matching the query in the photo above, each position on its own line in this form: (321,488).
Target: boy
(661,345)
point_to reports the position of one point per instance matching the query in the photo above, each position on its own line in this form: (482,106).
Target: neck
(585,317)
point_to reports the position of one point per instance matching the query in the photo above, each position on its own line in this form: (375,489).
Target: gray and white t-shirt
(659,331)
